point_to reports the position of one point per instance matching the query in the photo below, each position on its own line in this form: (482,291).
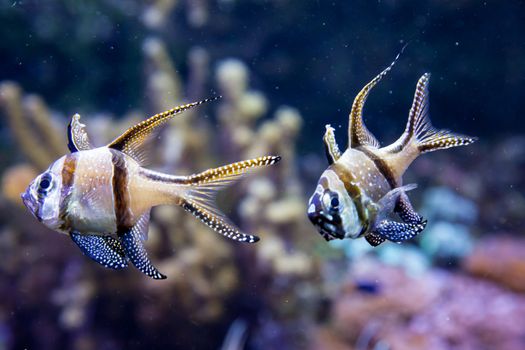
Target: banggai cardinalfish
(101,197)
(362,187)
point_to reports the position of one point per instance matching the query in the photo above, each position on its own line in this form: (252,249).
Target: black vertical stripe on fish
(382,166)
(353,191)
(68,180)
(123,216)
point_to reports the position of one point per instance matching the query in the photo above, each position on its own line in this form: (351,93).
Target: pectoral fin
(78,139)
(133,141)
(132,242)
(105,250)
(387,203)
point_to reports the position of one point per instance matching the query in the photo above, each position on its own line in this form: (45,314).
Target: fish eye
(45,184)
(331,201)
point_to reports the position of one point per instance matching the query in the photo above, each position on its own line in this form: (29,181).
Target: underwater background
(285,69)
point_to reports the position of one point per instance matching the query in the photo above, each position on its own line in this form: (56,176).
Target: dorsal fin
(331,148)
(358,134)
(131,142)
(78,139)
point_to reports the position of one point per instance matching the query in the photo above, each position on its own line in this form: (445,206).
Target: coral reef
(501,260)
(379,306)
(32,125)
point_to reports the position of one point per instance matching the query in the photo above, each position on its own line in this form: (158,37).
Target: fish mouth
(327,225)
(26,199)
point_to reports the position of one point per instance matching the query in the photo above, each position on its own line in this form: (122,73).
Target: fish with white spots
(362,187)
(101,197)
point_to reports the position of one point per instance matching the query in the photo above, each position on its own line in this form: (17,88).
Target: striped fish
(362,187)
(102,197)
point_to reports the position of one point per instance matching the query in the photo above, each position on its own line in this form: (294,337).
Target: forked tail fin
(419,135)
(199,199)
(419,128)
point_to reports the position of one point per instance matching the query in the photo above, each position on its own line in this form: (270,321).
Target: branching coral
(32,126)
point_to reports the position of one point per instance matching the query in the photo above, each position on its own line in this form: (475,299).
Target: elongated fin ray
(358,134)
(105,250)
(133,140)
(78,139)
(331,148)
(217,221)
(133,245)
(226,174)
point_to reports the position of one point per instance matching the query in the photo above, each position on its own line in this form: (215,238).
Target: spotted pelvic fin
(133,141)
(406,211)
(358,134)
(78,139)
(133,243)
(200,197)
(412,221)
(105,250)
(374,239)
(397,231)
(331,148)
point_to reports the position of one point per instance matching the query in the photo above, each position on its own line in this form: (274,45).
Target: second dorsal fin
(131,142)
(358,134)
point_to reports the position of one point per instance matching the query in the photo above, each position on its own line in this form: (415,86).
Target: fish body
(363,186)
(95,181)
(102,197)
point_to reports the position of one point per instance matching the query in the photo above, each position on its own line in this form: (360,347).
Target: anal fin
(132,242)
(105,250)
